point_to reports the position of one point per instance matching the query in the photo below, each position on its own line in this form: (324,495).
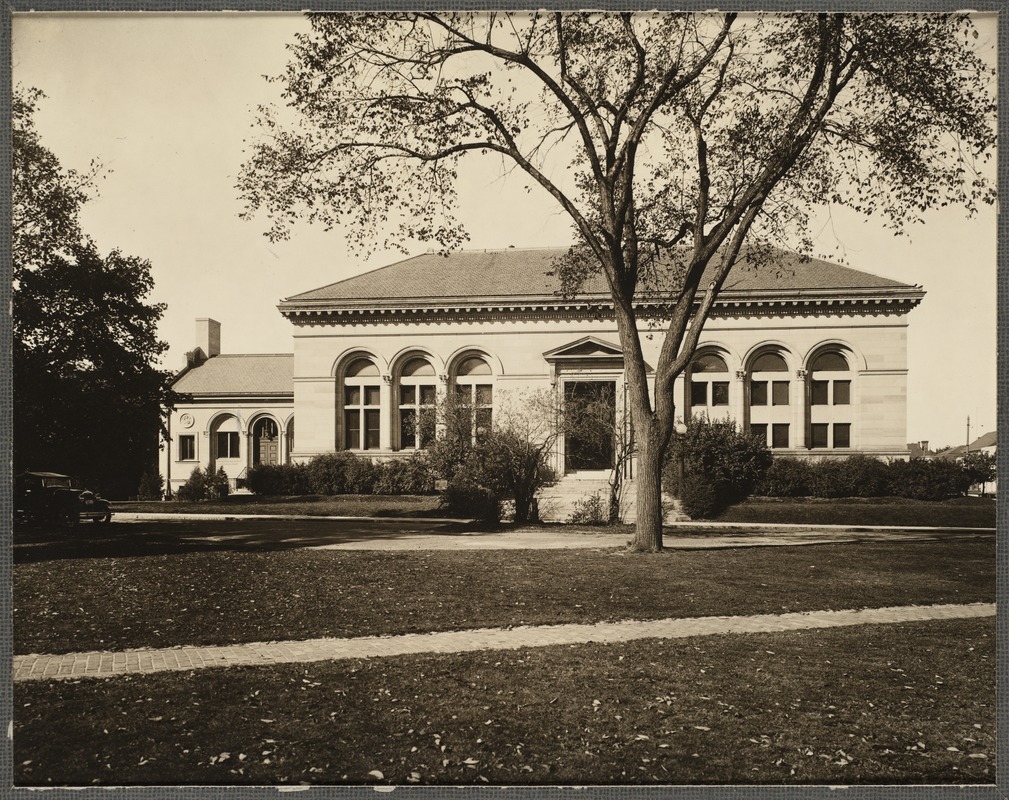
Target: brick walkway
(105,664)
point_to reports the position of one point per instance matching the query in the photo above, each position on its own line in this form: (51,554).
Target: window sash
(352,429)
(227,444)
(187,448)
(818,391)
(720,393)
(758,393)
(818,434)
(779,393)
(779,435)
(759,430)
(842,435)
(698,393)
(842,393)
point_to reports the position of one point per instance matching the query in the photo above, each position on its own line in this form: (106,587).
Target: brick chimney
(208,341)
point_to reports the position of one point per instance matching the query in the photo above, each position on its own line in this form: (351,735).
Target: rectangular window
(758,393)
(372,423)
(352,396)
(463,394)
(427,395)
(483,423)
(842,393)
(407,427)
(779,435)
(720,393)
(760,431)
(779,393)
(187,448)
(698,393)
(818,433)
(818,393)
(227,444)
(371,396)
(352,429)
(407,395)
(842,434)
(484,395)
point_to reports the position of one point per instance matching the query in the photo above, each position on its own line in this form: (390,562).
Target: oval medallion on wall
(186,420)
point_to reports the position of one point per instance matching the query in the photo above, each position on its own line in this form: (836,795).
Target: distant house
(987,443)
(808,354)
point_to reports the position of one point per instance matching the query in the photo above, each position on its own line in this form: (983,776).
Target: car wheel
(104,520)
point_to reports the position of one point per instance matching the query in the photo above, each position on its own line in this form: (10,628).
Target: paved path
(105,664)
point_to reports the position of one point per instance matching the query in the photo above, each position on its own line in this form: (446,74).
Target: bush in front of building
(405,476)
(204,484)
(278,479)
(714,465)
(468,499)
(864,476)
(341,473)
(151,487)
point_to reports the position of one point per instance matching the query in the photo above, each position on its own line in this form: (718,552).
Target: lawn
(905,703)
(961,512)
(229,596)
(312,505)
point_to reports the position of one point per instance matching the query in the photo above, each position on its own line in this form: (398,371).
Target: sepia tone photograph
(504,399)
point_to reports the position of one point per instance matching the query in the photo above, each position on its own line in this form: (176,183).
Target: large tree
(87,392)
(671,141)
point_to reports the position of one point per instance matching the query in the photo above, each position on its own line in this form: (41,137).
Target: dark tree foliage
(678,144)
(87,394)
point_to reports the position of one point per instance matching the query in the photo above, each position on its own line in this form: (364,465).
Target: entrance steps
(559,502)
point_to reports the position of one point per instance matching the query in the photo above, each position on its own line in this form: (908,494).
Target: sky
(166,103)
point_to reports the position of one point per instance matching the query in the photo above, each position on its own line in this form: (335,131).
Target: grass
(905,703)
(962,512)
(228,596)
(348,505)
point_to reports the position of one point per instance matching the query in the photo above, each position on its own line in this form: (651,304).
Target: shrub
(151,486)
(699,498)
(919,479)
(787,477)
(470,500)
(341,473)
(866,476)
(278,479)
(405,476)
(204,485)
(716,454)
(590,510)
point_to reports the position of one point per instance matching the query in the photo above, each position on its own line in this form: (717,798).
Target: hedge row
(342,473)
(864,476)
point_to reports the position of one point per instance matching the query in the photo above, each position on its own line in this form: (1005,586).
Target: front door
(266,443)
(590,425)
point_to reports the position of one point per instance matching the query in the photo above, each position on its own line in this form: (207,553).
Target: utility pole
(968,433)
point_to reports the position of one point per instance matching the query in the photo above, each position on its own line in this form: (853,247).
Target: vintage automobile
(48,497)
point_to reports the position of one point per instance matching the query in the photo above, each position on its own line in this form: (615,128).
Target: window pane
(830,362)
(818,393)
(407,428)
(709,363)
(484,395)
(352,430)
(352,396)
(187,448)
(698,393)
(474,366)
(372,420)
(769,362)
(227,445)
(371,396)
(819,435)
(418,366)
(758,393)
(779,393)
(407,395)
(779,435)
(362,366)
(483,422)
(463,394)
(720,393)
(842,434)
(427,395)
(760,431)
(842,393)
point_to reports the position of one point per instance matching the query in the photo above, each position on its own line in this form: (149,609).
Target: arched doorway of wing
(265,441)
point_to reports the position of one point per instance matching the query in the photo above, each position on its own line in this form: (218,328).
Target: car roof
(46,474)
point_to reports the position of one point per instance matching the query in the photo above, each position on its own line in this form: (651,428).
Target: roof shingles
(271,374)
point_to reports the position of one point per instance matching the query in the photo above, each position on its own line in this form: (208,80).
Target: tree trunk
(648,528)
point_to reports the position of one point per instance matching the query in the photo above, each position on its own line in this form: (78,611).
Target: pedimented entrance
(590,414)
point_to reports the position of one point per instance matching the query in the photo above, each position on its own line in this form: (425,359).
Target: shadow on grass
(148,538)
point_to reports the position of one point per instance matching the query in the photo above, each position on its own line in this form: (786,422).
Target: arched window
(768,399)
(362,415)
(416,404)
(290,439)
(830,401)
(473,389)
(709,383)
(226,441)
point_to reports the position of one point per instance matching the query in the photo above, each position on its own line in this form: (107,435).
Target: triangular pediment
(588,347)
